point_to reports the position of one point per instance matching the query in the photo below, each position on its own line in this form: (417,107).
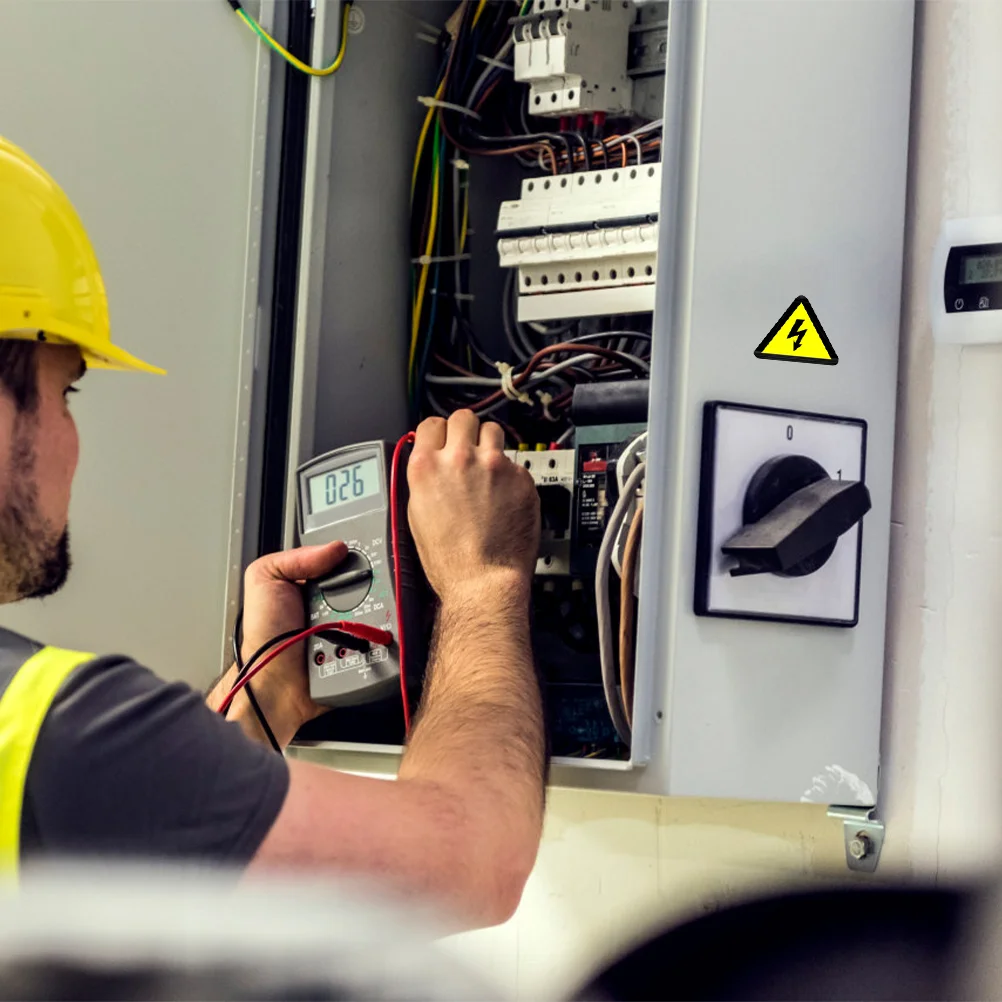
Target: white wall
(945,634)
(144,112)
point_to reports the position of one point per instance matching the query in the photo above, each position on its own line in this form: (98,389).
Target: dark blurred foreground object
(86,932)
(879,944)
(99,932)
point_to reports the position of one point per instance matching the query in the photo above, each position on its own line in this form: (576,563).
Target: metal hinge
(864,836)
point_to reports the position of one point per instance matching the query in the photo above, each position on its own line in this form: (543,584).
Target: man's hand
(273,604)
(473,513)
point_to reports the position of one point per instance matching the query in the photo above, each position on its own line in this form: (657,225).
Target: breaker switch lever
(797,535)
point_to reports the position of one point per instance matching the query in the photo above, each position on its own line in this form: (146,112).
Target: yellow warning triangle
(798,337)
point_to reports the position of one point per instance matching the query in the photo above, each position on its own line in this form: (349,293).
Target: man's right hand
(473,513)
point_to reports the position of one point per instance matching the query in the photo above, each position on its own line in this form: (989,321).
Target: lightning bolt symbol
(797,333)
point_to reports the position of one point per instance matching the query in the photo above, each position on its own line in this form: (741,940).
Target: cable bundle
(477,110)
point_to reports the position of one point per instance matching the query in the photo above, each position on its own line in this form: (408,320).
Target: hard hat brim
(113,357)
(97,354)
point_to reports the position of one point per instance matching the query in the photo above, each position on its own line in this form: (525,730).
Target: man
(98,755)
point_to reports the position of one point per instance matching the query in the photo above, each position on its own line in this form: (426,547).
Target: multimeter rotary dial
(347,586)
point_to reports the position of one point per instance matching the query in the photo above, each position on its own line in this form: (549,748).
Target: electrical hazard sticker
(798,337)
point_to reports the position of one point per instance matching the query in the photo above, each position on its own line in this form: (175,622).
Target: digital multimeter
(345,495)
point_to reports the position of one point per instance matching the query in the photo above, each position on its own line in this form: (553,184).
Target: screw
(861,846)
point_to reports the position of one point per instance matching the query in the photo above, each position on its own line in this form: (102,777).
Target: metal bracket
(864,836)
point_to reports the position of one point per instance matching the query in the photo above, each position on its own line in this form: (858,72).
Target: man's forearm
(479,734)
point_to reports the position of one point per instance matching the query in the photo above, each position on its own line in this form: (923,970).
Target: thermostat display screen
(981,268)
(972,278)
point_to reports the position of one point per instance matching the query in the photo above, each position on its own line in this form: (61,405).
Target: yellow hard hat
(50,282)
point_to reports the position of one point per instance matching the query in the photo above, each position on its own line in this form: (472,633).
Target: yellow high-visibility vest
(30,677)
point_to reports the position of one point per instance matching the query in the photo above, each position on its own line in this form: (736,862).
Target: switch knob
(793,516)
(348,585)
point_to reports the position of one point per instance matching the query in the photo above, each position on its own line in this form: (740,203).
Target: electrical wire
(628,611)
(433,310)
(407,439)
(606,647)
(625,464)
(359,630)
(252,697)
(423,279)
(292,60)
(603,335)
(262,719)
(630,361)
(542,376)
(474,75)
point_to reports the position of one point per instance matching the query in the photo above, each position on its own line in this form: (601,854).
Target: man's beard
(34,560)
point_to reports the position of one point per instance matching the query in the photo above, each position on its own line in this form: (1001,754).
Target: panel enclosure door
(790,181)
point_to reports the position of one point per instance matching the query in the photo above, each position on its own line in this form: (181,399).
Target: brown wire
(628,611)
(536,360)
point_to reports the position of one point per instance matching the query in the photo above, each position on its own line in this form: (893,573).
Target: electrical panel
(610,204)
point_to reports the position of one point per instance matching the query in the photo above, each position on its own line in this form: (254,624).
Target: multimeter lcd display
(344,484)
(981,268)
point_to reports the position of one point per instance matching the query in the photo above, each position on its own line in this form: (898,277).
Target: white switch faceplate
(737,440)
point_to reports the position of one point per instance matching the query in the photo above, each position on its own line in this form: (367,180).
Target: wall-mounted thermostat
(965,288)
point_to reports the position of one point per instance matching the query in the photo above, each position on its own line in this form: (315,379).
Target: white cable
(494,64)
(534,379)
(497,61)
(606,646)
(626,456)
(624,466)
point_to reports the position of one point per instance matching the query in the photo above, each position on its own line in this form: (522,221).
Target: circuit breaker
(583,245)
(573,53)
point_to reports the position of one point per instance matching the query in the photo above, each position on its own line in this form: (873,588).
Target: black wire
(288,635)
(584,149)
(255,706)
(261,718)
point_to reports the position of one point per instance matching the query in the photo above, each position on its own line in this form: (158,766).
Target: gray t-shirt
(128,765)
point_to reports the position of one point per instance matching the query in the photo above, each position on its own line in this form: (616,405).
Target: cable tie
(464,296)
(427,259)
(433,102)
(546,399)
(496,63)
(508,385)
(460,164)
